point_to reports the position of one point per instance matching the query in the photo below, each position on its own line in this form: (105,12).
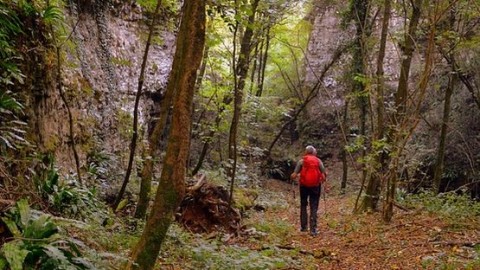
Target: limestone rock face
(100,75)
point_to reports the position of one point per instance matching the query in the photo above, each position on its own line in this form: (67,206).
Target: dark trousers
(309,196)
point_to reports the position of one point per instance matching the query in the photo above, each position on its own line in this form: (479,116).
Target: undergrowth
(203,252)
(451,206)
(36,243)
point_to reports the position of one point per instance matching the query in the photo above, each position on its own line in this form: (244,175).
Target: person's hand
(294,177)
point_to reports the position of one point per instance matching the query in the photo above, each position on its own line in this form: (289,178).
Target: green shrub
(64,196)
(36,243)
(449,205)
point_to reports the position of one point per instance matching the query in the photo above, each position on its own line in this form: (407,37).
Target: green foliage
(277,231)
(11,130)
(10,27)
(199,253)
(357,145)
(124,126)
(286,54)
(98,164)
(451,206)
(170,6)
(52,15)
(36,243)
(64,196)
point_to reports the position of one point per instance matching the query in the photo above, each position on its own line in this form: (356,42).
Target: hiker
(312,175)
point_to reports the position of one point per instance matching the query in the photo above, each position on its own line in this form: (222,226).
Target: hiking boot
(314,232)
(303,229)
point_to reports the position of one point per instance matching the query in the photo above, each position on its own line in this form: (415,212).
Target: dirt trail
(413,240)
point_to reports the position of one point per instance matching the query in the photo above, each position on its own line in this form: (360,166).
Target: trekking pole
(325,199)
(293,188)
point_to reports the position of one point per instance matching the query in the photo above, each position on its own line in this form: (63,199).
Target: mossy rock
(245,198)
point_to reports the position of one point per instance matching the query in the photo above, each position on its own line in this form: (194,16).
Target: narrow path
(414,239)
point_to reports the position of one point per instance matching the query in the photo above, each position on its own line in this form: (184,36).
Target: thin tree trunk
(70,117)
(241,71)
(264,64)
(202,156)
(401,103)
(370,201)
(141,80)
(344,151)
(260,62)
(171,189)
(59,85)
(360,10)
(254,67)
(439,165)
(203,68)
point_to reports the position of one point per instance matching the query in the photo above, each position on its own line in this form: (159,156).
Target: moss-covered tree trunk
(171,189)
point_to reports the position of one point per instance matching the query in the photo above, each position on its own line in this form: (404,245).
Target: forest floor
(415,239)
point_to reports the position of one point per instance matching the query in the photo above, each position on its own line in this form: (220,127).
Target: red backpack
(310,175)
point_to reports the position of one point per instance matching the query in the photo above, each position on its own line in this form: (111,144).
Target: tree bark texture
(171,189)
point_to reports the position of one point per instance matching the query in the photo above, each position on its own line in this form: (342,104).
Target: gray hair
(310,149)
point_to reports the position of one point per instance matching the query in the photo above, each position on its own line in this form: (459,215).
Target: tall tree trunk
(439,164)
(264,64)
(69,113)
(360,9)
(154,143)
(344,151)
(141,79)
(360,14)
(255,66)
(401,103)
(171,189)
(241,71)
(372,191)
